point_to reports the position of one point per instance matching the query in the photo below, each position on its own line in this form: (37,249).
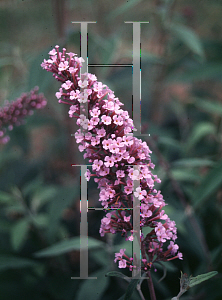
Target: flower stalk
(14,113)
(105,134)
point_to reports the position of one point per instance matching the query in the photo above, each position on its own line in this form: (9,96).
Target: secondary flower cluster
(13,113)
(106,134)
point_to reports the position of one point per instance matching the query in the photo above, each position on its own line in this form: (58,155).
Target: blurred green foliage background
(181,70)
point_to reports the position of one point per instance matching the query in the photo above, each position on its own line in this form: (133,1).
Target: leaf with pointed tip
(13,262)
(118,274)
(201,130)
(67,246)
(131,287)
(200,278)
(188,37)
(193,162)
(19,233)
(209,106)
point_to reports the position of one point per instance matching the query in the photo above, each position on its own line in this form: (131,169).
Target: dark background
(181,65)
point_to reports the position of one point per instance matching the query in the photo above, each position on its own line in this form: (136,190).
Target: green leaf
(200,130)
(93,288)
(193,162)
(32,186)
(209,106)
(210,183)
(13,262)
(19,233)
(41,220)
(188,37)
(6,198)
(185,175)
(118,274)
(67,246)
(42,196)
(131,287)
(200,278)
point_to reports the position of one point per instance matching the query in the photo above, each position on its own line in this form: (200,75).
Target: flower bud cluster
(13,113)
(106,135)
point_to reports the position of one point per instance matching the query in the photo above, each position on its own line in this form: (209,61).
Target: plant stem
(140,292)
(151,287)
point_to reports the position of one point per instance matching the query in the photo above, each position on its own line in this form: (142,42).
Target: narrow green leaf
(41,220)
(135,295)
(209,185)
(188,37)
(209,106)
(19,233)
(185,175)
(192,162)
(118,274)
(131,287)
(42,196)
(67,246)
(6,198)
(13,262)
(33,186)
(200,130)
(200,278)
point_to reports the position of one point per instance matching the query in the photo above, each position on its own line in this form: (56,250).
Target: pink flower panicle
(13,113)
(112,149)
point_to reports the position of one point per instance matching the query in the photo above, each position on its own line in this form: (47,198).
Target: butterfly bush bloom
(112,149)
(13,113)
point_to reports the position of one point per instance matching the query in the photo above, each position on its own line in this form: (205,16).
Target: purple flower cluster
(13,113)
(106,136)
